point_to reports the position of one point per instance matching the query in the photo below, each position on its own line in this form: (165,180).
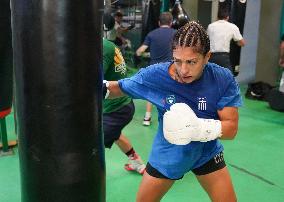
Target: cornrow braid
(193,35)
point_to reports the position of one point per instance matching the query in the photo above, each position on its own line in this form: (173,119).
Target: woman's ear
(207,57)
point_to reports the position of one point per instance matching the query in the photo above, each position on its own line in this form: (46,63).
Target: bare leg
(135,162)
(149,107)
(147,117)
(153,189)
(123,143)
(218,186)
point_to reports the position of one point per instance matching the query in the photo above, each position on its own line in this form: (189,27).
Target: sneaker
(147,121)
(135,163)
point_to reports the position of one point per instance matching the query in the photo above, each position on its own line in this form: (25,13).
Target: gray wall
(249,51)
(259,58)
(268,41)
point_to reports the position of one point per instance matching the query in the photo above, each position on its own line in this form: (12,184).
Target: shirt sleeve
(231,96)
(147,40)
(208,29)
(108,55)
(237,35)
(134,86)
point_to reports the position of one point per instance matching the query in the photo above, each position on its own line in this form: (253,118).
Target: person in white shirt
(221,32)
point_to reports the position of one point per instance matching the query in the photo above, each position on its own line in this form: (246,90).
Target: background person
(116,34)
(159,42)
(221,32)
(117,113)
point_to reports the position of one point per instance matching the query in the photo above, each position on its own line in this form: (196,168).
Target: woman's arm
(229,120)
(141,50)
(114,90)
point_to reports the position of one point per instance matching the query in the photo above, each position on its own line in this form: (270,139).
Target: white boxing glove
(181,126)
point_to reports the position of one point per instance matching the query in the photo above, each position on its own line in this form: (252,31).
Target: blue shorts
(173,161)
(114,122)
(214,164)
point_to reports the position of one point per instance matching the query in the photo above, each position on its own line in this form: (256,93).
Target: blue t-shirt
(159,41)
(215,90)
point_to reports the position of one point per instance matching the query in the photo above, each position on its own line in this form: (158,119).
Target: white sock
(148,115)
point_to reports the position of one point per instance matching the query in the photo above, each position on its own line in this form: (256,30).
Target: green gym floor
(255,160)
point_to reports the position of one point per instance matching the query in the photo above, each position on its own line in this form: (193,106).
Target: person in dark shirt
(159,42)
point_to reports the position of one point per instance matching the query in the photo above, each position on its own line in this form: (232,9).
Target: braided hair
(193,35)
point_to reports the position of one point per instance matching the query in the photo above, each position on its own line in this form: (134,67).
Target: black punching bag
(237,16)
(150,17)
(180,17)
(6,68)
(58,71)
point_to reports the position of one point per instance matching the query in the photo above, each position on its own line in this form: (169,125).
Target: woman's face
(188,64)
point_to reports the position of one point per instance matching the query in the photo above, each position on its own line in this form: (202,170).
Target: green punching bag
(57,48)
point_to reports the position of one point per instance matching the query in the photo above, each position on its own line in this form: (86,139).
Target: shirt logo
(219,158)
(202,104)
(170,99)
(119,62)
